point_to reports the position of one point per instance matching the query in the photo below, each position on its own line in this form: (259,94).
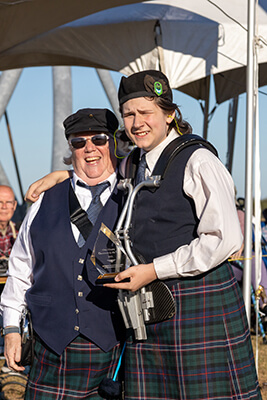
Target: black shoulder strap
(175,147)
(167,155)
(132,163)
(78,216)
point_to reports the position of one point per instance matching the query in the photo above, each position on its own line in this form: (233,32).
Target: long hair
(168,107)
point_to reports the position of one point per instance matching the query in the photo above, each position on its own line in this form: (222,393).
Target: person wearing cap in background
(77,325)
(185,230)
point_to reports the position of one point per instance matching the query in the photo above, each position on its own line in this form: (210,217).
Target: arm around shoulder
(45,183)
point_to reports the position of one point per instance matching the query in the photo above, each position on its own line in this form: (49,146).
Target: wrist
(9,329)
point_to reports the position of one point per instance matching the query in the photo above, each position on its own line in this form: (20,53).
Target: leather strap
(78,216)
(168,154)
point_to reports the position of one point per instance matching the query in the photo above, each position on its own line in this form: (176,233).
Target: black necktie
(141,170)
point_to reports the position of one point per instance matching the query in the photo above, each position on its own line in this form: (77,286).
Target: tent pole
(14,155)
(62,107)
(232,113)
(111,91)
(206,108)
(249,157)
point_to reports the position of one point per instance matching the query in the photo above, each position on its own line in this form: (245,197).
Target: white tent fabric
(188,40)
(21,20)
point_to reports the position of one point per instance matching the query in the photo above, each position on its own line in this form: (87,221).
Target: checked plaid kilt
(76,374)
(203,352)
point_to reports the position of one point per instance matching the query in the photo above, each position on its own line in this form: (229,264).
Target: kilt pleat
(203,352)
(76,374)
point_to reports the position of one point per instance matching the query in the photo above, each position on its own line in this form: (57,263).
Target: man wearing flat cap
(77,324)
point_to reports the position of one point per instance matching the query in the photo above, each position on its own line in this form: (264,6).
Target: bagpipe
(153,303)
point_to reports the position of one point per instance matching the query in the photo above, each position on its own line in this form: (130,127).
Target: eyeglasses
(98,140)
(8,204)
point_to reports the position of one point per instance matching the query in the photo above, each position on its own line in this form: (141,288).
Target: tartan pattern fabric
(76,374)
(204,352)
(6,242)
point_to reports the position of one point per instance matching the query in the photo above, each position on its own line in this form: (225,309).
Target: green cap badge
(158,88)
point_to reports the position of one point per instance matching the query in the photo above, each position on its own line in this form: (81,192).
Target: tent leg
(111,91)
(250,120)
(206,109)
(232,113)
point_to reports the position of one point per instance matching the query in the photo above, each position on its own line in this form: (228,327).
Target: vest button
(76,328)
(77,311)
(81,260)
(79,277)
(80,294)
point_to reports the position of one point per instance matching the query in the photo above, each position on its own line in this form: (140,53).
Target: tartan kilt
(203,352)
(75,374)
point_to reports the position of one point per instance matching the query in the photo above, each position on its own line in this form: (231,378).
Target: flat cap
(91,120)
(149,83)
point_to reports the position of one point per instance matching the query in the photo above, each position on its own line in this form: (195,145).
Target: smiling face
(145,122)
(93,164)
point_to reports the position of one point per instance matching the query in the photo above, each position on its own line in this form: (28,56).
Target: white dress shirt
(22,258)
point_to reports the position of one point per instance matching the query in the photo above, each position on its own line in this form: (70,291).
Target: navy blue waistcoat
(63,299)
(164,218)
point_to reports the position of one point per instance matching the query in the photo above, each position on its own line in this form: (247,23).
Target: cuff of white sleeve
(11,317)
(165,267)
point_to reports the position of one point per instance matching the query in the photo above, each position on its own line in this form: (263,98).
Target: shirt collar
(153,155)
(112,179)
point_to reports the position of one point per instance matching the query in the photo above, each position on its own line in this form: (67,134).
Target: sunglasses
(98,140)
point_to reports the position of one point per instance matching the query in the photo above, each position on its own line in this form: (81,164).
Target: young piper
(185,230)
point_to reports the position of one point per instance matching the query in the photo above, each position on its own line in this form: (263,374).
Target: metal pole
(206,109)
(8,82)
(14,156)
(111,91)
(249,158)
(3,177)
(232,113)
(62,96)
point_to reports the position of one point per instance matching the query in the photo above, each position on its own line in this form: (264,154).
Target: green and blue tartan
(76,374)
(204,352)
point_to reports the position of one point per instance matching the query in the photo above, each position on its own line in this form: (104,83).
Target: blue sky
(30,113)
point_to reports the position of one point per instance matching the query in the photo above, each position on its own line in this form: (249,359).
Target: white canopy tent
(188,40)
(23,19)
